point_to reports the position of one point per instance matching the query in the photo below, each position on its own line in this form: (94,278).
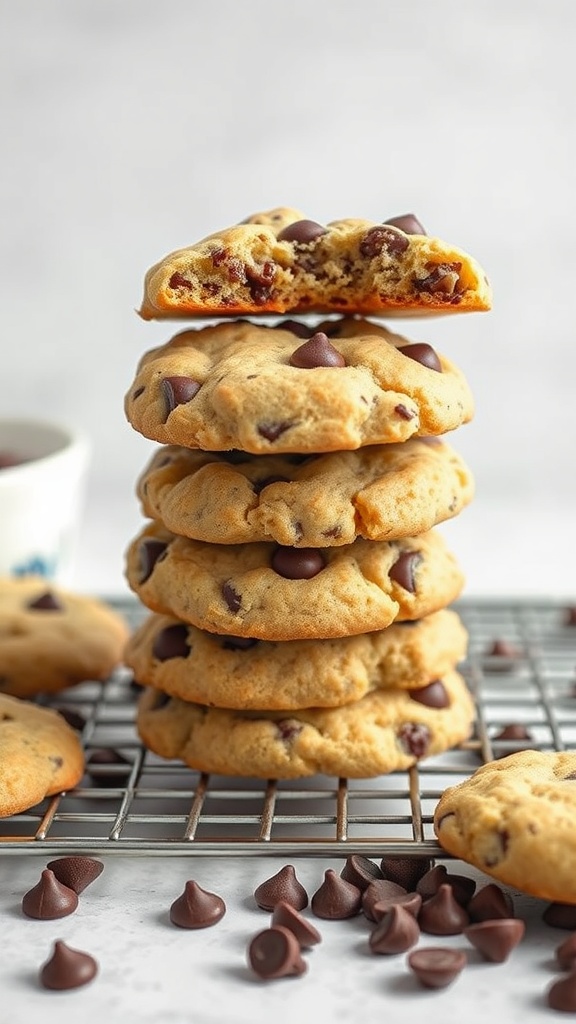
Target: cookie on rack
(384,732)
(381,492)
(235,672)
(281,262)
(51,638)
(514,820)
(270,592)
(268,390)
(40,755)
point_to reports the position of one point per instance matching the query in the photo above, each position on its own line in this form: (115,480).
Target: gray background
(130,128)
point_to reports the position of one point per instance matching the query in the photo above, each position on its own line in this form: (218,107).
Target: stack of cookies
(298,590)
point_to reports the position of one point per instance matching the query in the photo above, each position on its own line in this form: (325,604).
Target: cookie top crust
(52,638)
(323,500)
(514,820)
(263,390)
(281,262)
(270,592)
(384,732)
(235,672)
(40,754)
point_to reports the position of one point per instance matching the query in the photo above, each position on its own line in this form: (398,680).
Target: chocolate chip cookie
(265,390)
(514,820)
(381,492)
(51,638)
(237,672)
(385,731)
(270,592)
(40,754)
(281,262)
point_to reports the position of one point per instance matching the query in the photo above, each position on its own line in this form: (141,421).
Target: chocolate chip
(197,908)
(237,643)
(76,873)
(566,953)
(297,563)
(232,598)
(424,354)
(560,915)
(49,899)
(283,886)
(513,731)
(360,871)
(101,763)
(403,412)
(74,718)
(414,738)
(259,485)
(287,917)
(396,932)
(178,391)
(178,281)
(150,552)
(318,351)
(495,940)
(403,572)
(442,914)
(295,327)
(436,967)
(275,953)
(383,238)
(570,616)
(405,871)
(407,223)
(378,890)
(432,696)
(171,642)
(302,232)
(490,903)
(411,901)
(272,431)
(336,899)
(431,880)
(443,278)
(503,838)
(67,968)
(46,602)
(136,394)
(562,994)
(501,656)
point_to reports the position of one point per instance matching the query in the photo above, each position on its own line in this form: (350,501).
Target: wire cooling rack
(139,803)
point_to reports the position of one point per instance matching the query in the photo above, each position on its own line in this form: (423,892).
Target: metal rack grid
(144,805)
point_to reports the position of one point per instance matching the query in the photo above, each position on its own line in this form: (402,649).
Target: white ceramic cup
(43,473)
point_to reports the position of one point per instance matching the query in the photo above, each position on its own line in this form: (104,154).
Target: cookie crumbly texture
(514,820)
(51,638)
(383,732)
(234,588)
(40,754)
(237,389)
(220,671)
(352,265)
(381,492)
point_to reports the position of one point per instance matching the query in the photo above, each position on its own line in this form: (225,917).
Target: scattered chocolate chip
(431,880)
(286,916)
(46,602)
(171,642)
(566,953)
(272,431)
(231,597)
(396,932)
(411,901)
(405,871)
(302,232)
(513,731)
(275,953)
(414,738)
(197,908)
(74,718)
(178,391)
(490,903)
(495,940)
(283,886)
(318,351)
(300,330)
(178,281)
(297,563)
(76,872)
(378,890)
(503,838)
(463,888)
(49,899)
(403,412)
(383,238)
(404,569)
(502,656)
(562,994)
(407,223)
(442,914)
(443,278)
(360,871)
(436,967)
(424,354)
(432,696)
(336,899)
(288,728)
(560,915)
(67,968)
(101,763)
(150,552)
